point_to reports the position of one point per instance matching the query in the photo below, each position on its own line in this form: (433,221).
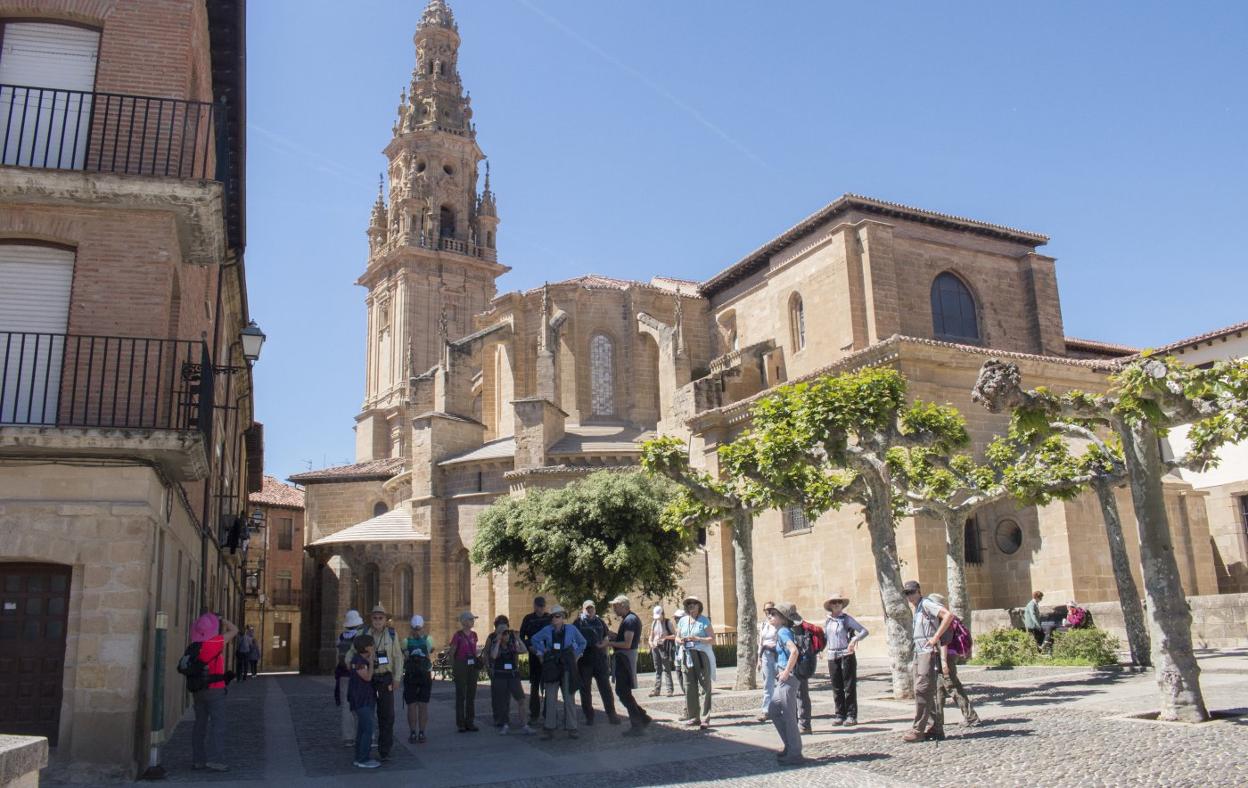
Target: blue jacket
(543,641)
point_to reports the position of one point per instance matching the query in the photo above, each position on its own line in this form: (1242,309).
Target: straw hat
(843,598)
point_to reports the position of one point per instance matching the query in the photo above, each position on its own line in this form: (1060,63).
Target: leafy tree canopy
(594,539)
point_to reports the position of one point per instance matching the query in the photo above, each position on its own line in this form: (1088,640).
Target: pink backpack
(960,643)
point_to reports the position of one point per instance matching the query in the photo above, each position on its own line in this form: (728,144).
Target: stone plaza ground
(1042,726)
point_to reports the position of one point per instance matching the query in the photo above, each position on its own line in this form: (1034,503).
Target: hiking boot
(851,720)
(913,736)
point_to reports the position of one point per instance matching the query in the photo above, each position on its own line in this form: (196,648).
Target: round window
(1009,537)
(420,166)
(448,169)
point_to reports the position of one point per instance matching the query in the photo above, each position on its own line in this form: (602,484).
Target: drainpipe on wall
(154,770)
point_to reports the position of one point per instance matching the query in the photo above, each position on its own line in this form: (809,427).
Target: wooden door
(34,609)
(281,645)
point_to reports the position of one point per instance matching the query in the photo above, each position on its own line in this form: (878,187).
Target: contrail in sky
(288,146)
(648,82)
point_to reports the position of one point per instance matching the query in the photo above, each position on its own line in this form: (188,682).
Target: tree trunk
(1178,674)
(1128,593)
(898,620)
(955,567)
(747,621)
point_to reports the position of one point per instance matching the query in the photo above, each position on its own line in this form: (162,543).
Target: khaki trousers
(950,685)
(929,718)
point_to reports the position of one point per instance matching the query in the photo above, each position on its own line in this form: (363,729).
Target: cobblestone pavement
(1052,727)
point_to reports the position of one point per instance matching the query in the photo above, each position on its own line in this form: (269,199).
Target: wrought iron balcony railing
(68,380)
(49,128)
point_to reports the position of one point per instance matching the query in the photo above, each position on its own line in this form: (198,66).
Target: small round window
(1009,537)
(420,166)
(448,169)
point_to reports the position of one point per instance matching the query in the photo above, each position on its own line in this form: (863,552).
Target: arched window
(464,572)
(404,604)
(972,550)
(380,508)
(953,309)
(797,321)
(372,588)
(601,376)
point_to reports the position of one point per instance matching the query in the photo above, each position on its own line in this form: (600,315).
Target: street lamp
(253,339)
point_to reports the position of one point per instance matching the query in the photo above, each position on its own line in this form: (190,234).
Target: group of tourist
(566,657)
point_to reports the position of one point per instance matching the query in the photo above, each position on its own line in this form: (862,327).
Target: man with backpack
(810,640)
(958,647)
(931,622)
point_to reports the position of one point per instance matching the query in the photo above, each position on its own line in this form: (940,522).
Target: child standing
(417,680)
(843,633)
(363,701)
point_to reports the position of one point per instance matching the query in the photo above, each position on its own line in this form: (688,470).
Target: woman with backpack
(696,636)
(417,679)
(211,633)
(784,699)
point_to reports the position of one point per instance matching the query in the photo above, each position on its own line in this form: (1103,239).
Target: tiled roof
(1100,347)
(359,471)
(758,258)
(494,450)
(599,439)
(275,493)
(1208,336)
(393,526)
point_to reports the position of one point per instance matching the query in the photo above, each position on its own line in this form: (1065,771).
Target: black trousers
(593,665)
(535,687)
(844,673)
(624,690)
(385,714)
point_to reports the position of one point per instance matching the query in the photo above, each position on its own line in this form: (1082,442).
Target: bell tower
(432,257)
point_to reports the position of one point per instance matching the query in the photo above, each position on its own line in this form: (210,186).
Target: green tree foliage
(594,539)
(827,443)
(1146,398)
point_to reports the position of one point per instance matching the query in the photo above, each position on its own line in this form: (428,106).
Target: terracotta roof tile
(1100,347)
(1205,337)
(275,493)
(359,471)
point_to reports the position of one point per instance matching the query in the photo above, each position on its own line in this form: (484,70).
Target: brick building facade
(125,399)
(273,574)
(545,386)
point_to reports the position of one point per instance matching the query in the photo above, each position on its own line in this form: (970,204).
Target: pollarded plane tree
(826,443)
(702,500)
(1037,464)
(1147,397)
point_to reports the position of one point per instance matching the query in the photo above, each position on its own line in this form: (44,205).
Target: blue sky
(638,138)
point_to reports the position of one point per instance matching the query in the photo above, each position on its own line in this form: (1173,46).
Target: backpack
(960,644)
(818,637)
(807,657)
(196,672)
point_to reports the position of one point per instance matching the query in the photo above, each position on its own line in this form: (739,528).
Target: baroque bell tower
(432,259)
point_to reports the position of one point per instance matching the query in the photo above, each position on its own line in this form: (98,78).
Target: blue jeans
(365,721)
(769,677)
(208,734)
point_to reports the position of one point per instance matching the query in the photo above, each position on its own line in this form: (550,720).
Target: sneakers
(527,730)
(655,694)
(851,720)
(838,721)
(504,729)
(411,737)
(216,767)
(913,736)
(420,738)
(369,764)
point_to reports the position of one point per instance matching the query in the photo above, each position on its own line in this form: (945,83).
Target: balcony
(121,151)
(107,396)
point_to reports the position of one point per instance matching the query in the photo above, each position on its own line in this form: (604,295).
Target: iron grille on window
(795,520)
(972,549)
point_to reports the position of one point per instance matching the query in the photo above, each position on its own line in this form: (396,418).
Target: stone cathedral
(471,395)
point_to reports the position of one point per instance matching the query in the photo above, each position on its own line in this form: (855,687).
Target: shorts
(418,690)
